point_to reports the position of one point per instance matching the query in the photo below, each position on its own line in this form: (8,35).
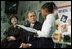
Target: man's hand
(24,45)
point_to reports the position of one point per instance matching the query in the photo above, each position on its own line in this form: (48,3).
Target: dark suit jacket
(11,31)
(28,37)
(37,25)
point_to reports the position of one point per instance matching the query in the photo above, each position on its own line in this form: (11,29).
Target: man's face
(32,17)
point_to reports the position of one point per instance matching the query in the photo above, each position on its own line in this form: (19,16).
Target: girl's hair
(50,6)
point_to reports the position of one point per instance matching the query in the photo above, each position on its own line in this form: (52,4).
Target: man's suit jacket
(28,37)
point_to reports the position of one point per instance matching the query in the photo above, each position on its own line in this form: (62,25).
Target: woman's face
(44,12)
(14,20)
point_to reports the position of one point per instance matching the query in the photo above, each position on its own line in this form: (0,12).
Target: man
(30,37)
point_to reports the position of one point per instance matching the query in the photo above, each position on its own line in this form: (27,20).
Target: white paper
(28,28)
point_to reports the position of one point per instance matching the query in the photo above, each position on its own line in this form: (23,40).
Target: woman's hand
(10,38)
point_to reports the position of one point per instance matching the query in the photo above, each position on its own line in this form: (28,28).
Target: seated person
(29,36)
(56,35)
(12,34)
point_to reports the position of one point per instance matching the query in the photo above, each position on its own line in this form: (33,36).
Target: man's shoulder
(38,25)
(37,22)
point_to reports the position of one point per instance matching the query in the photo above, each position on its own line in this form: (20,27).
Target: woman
(12,34)
(48,27)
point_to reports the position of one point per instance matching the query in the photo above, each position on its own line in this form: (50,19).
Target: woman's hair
(12,16)
(50,6)
(54,5)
